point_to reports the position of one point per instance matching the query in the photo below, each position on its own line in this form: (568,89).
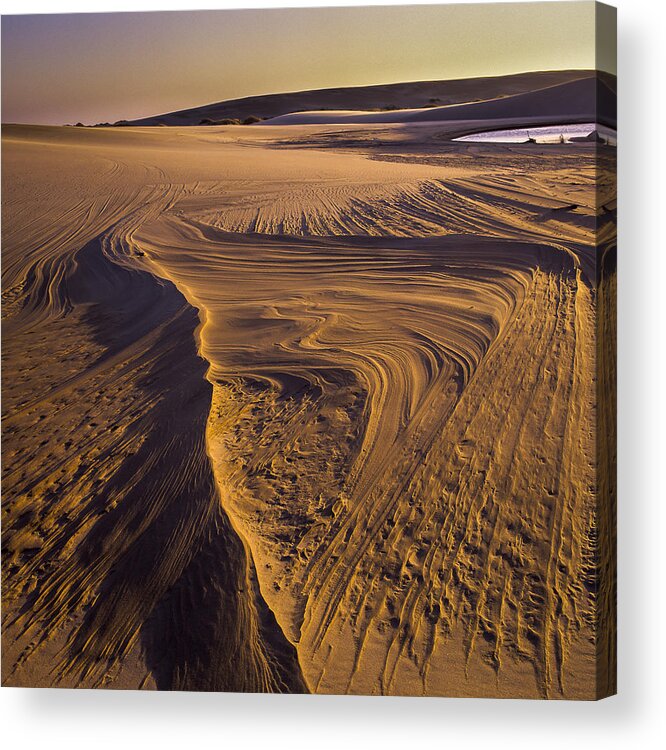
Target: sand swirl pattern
(343,402)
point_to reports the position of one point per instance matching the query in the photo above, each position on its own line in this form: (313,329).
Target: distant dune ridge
(313,407)
(575,94)
(574,101)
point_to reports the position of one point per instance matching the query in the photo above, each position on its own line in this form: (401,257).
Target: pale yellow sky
(110,66)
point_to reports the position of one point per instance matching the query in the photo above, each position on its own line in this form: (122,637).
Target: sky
(103,67)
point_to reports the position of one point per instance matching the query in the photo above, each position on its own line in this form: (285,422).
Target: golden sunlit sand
(306,407)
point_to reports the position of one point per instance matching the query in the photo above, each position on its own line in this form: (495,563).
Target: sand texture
(307,407)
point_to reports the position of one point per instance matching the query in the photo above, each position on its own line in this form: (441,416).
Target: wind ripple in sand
(428,515)
(401,429)
(114,523)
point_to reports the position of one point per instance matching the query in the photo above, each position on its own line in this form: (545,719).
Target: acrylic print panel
(310,389)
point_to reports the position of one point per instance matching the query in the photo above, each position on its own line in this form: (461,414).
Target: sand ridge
(420,95)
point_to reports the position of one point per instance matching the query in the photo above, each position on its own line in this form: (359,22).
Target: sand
(580,100)
(304,408)
(413,94)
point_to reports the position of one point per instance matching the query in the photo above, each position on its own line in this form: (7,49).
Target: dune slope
(582,100)
(396,95)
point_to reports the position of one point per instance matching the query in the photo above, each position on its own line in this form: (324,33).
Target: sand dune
(581,100)
(303,408)
(417,94)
